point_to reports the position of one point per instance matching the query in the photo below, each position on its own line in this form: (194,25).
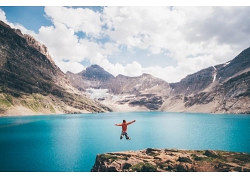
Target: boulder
(184,159)
(210,153)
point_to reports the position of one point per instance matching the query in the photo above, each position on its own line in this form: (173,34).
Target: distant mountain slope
(93,77)
(194,83)
(31,82)
(222,88)
(238,65)
(144,90)
(144,84)
(216,74)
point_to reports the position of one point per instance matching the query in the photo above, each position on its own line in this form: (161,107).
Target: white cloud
(2,16)
(78,19)
(225,24)
(194,37)
(70,66)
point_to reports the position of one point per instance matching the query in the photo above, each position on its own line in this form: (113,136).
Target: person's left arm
(130,122)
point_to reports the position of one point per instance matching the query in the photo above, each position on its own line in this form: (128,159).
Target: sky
(167,42)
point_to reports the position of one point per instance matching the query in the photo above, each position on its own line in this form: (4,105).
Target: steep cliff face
(27,71)
(235,67)
(194,83)
(215,75)
(23,68)
(169,160)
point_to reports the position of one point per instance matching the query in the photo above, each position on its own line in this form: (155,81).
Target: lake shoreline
(49,114)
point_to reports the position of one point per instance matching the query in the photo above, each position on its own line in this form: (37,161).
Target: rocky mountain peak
(95,72)
(95,66)
(146,75)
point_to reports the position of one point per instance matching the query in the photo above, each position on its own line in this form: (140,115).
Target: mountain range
(31,83)
(223,88)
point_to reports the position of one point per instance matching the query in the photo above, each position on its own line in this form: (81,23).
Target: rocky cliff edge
(170,160)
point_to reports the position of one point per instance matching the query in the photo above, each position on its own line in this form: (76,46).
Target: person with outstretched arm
(124,126)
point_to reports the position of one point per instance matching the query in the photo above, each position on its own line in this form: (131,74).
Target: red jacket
(124,126)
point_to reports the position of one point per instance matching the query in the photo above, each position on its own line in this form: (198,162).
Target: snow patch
(214,74)
(97,93)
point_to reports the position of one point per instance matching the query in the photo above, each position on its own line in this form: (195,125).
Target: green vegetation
(126,166)
(31,104)
(152,152)
(37,97)
(2,88)
(9,98)
(144,167)
(242,157)
(36,102)
(6,101)
(52,109)
(196,158)
(219,158)
(107,157)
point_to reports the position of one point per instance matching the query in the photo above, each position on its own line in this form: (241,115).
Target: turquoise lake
(71,142)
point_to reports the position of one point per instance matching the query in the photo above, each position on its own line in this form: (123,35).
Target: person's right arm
(118,124)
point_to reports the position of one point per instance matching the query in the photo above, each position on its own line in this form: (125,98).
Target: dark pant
(124,134)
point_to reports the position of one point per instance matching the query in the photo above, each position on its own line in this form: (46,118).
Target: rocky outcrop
(160,160)
(27,72)
(150,101)
(37,45)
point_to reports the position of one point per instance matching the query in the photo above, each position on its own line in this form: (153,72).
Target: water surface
(71,142)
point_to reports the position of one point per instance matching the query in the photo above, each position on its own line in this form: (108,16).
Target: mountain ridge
(30,81)
(210,90)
